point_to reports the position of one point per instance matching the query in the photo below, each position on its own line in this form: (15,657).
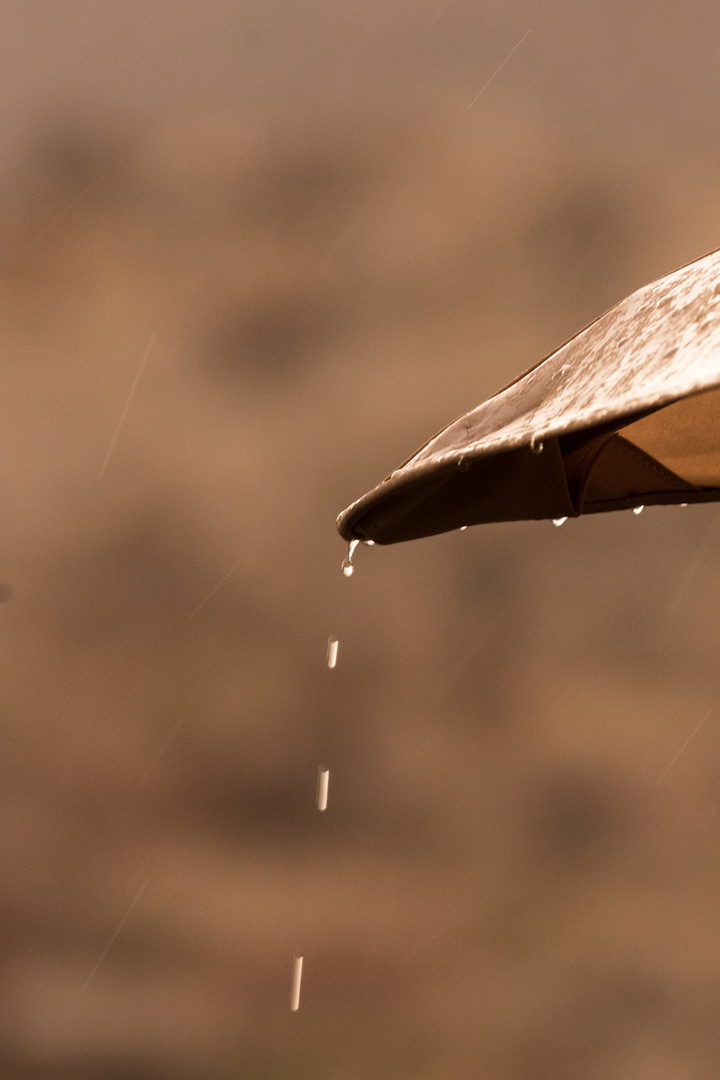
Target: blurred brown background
(276,246)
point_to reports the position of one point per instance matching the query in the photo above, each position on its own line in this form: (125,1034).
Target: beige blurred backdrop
(251,256)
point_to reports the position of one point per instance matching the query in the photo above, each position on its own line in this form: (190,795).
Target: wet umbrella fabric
(627,412)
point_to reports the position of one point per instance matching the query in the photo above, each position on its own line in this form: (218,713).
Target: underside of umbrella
(625,413)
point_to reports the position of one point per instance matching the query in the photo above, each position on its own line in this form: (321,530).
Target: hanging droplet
(536,445)
(369,543)
(347,563)
(638,509)
(559,521)
(683,504)
(463,528)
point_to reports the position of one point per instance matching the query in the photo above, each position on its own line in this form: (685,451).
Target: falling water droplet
(332,650)
(536,445)
(638,509)
(347,563)
(322,788)
(296,979)
(559,521)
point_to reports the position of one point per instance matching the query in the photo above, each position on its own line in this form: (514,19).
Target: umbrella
(626,413)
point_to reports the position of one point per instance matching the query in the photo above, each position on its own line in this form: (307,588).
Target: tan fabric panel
(684,437)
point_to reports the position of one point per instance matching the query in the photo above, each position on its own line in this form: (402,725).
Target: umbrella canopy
(625,413)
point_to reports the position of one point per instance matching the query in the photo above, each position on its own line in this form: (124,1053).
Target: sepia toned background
(251,256)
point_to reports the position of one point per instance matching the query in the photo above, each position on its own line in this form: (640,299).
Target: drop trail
(684,746)
(700,555)
(123,414)
(114,936)
(296,979)
(214,590)
(498,70)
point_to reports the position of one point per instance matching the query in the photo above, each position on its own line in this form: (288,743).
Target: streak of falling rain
(214,590)
(123,414)
(693,567)
(161,753)
(116,932)
(559,521)
(638,509)
(296,978)
(332,651)
(684,746)
(322,789)
(496,72)
(337,241)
